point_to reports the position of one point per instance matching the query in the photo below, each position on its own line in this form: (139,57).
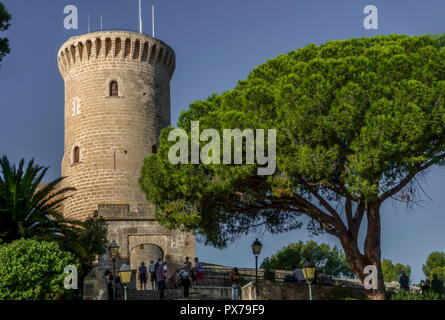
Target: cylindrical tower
(117,101)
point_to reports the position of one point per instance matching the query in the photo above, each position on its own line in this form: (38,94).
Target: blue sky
(217,42)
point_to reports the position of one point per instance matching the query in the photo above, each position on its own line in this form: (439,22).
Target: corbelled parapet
(121,46)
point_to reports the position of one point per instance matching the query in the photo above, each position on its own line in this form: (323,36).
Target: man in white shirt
(151,270)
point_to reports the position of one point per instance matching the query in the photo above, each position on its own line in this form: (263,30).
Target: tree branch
(324,203)
(408,178)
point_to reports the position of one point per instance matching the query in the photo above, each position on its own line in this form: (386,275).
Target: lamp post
(125,276)
(256,250)
(309,275)
(114,250)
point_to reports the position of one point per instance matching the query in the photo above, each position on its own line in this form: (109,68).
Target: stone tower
(117,101)
(108,134)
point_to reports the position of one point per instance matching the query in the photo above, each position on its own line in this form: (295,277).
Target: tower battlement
(105,47)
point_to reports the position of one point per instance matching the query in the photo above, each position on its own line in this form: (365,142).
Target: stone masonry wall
(131,229)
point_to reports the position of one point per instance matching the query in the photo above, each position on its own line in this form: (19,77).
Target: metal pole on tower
(101,23)
(89,24)
(153,19)
(140,17)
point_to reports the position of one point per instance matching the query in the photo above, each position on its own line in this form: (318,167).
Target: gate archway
(145,252)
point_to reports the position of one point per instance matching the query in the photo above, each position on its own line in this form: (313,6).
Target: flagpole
(140,17)
(153,19)
(89,25)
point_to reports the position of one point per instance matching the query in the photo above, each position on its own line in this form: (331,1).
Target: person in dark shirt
(404,281)
(425,286)
(143,275)
(161,275)
(437,286)
(184,276)
(188,263)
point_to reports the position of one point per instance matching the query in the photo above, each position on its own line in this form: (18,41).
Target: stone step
(196,293)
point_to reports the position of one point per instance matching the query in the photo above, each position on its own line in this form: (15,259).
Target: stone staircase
(169,294)
(196,293)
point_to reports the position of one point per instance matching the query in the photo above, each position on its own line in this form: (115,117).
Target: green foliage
(27,207)
(405,295)
(30,209)
(33,270)
(392,272)
(93,235)
(85,239)
(356,121)
(439,271)
(435,264)
(330,261)
(4,25)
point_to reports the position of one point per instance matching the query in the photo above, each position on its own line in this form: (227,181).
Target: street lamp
(256,250)
(125,276)
(309,275)
(114,250)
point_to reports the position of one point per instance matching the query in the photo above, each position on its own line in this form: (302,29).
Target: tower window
(154,149)
(114,89)
(76,155)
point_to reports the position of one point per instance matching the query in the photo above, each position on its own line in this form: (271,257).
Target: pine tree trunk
(372,252)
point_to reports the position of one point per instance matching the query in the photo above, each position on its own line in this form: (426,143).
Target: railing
(219,276)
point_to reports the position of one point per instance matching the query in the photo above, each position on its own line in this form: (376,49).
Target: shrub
(33,270)
(405,295)
(337,293)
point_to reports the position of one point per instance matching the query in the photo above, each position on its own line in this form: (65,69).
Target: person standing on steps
(151,271)
(164,265)
(199,270)
(235,279)
(143,276)
(157,265)
(161,275)
(184,274)
(109,279)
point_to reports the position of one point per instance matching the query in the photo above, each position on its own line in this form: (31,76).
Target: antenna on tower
(101,24)
(89,24)
(140,17)
(153,19)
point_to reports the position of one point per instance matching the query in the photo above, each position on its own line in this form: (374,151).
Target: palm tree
(29,208)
